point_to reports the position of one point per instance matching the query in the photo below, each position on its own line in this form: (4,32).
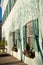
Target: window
(31,38)
(29,35)
(33,35)
(15,41)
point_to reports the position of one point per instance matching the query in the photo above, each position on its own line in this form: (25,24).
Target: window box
(29,53)
(14,49)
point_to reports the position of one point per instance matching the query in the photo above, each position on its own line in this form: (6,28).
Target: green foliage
(3,43)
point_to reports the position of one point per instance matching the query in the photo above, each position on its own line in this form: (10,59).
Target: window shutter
(35,27)
(24,37)
(36,35)
(13,2)
(18,38)
(7,11)
(13,38)
(9,6)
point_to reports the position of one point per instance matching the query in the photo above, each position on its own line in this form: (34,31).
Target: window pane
(29,29)
(30,35)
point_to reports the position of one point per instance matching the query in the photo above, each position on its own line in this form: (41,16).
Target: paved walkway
(6,59)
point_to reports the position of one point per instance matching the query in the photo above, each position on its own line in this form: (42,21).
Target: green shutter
(4,15)
(24,37)
(12,3)
(9,6)
(13,38)
(36,35)
(6,11)
(35,27)
(18,39)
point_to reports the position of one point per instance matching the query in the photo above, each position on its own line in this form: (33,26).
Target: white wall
(23,12)
(36,61)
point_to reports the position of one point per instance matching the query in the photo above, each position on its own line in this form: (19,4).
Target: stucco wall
(23,12)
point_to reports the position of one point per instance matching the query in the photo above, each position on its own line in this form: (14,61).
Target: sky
(0,11)
(0,0)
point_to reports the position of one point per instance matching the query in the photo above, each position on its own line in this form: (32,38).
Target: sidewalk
(6,59)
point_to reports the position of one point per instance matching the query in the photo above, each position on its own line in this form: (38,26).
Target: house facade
(22,28)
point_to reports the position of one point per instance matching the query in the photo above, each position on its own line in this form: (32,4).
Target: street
(6,59)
